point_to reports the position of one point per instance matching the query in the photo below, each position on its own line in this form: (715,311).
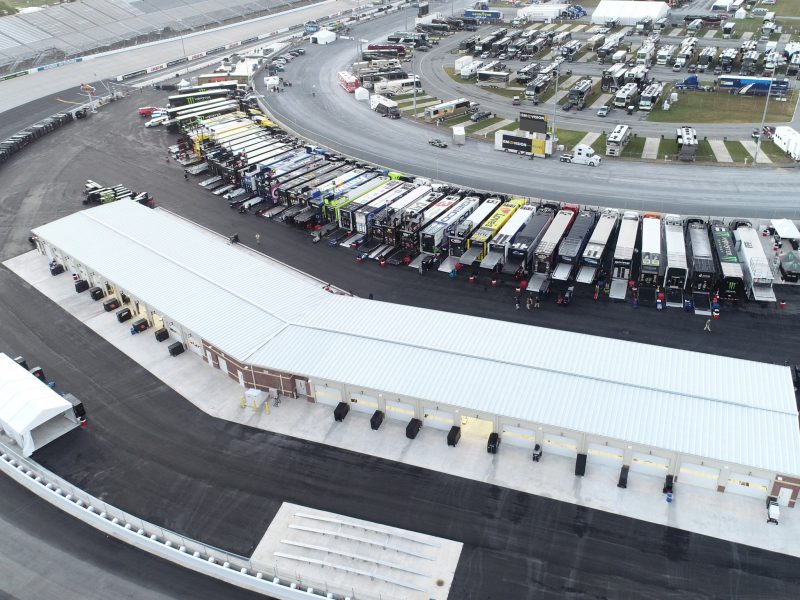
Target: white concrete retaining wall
(163,543)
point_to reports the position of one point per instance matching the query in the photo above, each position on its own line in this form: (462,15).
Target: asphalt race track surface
(318,108)
(149,451)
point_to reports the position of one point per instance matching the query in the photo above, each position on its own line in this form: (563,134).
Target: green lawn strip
(634,148)
(513,126)
(599,145)
(505,92)
(668,147)
(704,152)
(482,124)
(722,107)
(569,138)
(456,121)
(737,152)
(776,154)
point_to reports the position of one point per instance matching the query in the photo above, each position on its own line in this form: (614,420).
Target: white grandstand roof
(732,410)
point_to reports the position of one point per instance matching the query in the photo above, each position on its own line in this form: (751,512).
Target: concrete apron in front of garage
(726,516)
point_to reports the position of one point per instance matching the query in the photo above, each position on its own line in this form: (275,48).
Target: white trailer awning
(26,403)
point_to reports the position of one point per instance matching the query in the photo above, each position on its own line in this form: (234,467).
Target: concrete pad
(590,138)
(785,37)
(720,151)
(563,27)
(601,101)
(550,55)
(747,35)
(350,557)
(694,509)
(650,150)
(710,33)
(586,57)
(548,27)
(675,32)
(578,28)
(750,146)
(493,127)
(593,29)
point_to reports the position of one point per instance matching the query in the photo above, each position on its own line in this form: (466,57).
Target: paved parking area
(720,151)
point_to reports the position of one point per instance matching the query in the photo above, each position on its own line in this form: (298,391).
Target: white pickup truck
(582,154)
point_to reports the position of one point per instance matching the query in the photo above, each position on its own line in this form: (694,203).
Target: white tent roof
(323,36)
(732,410)
(25,402)
(628,11)
(786,229)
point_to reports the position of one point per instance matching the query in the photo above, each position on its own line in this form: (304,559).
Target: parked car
(437,143)
(422,48)
(300,50)
(156,121)
(484,56)
(602,111)
(147,111)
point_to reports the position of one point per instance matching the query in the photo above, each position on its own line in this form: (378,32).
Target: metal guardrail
(187,552)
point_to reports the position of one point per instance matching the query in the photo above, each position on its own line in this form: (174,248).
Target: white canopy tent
(31,413)
(628,12)
(323,36)
(785,229)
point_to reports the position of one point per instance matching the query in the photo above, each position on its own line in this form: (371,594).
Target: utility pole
(763,119)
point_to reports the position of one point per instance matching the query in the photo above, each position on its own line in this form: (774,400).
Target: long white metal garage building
(628,12)
(720,423)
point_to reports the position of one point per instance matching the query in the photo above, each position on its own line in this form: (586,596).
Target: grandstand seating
(74,28)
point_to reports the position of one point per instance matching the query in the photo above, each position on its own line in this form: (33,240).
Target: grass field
(776,154)
(722,107)
(785,8)
(569,138)
(704,152)
(667,147)
(737,152)
(481,124)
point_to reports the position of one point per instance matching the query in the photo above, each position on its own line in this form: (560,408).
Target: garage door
(395,409)
(327,395)
(519,436)
(699,475)
(438,419)
(745,485)
(363,403)
(647,464)
(600,454)
(558,444)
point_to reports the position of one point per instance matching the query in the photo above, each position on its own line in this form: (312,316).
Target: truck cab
(582,154)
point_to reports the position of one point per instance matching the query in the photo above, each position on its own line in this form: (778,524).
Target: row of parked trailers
(18,141)
(402,220)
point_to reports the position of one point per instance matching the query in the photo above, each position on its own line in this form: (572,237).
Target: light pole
(555,105)
(763,119)
(183,45)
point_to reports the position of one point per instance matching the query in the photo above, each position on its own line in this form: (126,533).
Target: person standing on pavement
(536,303)
(258,239)
(708,325)
(528,302)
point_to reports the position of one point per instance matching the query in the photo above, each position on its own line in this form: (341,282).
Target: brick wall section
(792,483)
(264,378)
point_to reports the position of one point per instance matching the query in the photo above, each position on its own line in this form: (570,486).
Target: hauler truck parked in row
(384,107)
